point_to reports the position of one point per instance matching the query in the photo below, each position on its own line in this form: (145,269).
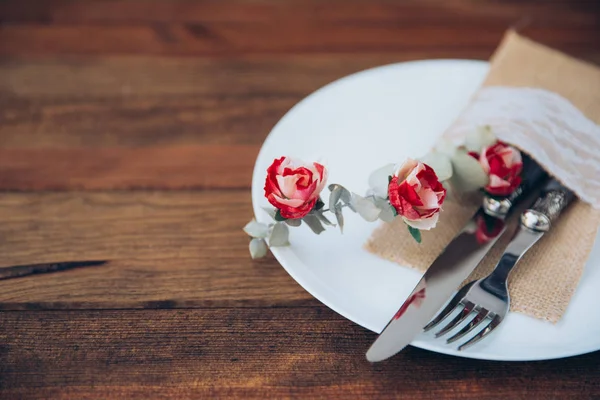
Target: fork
(487,300)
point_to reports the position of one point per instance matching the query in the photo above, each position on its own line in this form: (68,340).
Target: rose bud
(503,164)
(416,194)
(293,186)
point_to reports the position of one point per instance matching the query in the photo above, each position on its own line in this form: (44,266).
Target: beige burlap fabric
(543,283)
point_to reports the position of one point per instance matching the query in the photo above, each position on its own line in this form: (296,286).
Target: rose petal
(423,224)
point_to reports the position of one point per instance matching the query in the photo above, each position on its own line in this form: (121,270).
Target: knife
(453,266)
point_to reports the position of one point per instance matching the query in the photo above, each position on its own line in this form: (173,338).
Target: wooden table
(128,130)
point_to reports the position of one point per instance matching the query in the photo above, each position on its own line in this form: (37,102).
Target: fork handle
(555,198)
(534,223)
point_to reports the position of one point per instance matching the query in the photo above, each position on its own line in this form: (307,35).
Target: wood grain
(234,27)
(118,95)
(190,167)
(179,249)
(252,353)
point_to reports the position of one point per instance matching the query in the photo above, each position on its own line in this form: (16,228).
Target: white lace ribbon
(546,126)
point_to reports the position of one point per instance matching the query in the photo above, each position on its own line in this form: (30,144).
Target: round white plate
(357,124)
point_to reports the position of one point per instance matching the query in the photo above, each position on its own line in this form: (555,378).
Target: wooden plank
(221,28)
(251,353)
(189,167)
(130,102)
(292,38)
(165,283)
(265,11)
(165,249)
(124,78)
(226,28)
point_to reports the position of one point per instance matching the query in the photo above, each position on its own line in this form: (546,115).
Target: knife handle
(532,176)
(554,199)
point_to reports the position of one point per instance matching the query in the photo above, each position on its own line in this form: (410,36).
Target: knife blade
(453,266)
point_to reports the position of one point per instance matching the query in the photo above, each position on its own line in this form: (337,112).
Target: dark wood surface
(128,133)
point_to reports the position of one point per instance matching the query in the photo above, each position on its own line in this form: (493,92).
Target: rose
(503,164)
(416,194)
(293,186)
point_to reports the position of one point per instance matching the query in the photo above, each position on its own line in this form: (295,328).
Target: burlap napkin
(543,283)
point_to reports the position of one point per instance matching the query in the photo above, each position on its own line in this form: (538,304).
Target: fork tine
(481,314)
(443,314)
(454,302)
(457,320)
(483,333)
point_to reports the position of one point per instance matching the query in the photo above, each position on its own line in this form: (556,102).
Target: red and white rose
(503,164)
(293,186)
(416,194)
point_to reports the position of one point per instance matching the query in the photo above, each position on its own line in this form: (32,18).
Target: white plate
(357,124)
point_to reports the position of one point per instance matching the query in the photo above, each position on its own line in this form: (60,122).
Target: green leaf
(323,218)
(279,235)
(319,204)
(256,229)
(334,196)
(467,173)
(365,207)
(415,233)
(270,211)
(380,179)
(440,163)
(337,211)
(293,222)
(279,217)
(479,138)
(313,223)
(388,213)
(338,192)
(258,248)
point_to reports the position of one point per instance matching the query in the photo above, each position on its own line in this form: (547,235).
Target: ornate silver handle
(554,199)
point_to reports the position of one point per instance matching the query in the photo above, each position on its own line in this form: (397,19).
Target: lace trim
(546,126)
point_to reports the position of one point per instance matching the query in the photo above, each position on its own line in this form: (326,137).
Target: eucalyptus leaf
(338,192)
(468,175)
(339,216)
(415,233)
(279,235)
(379,180)
(479,138)
(334,196)
(256,229)
(440,163)
(258,248)
(313,223)
(323,218)
(365,207)
(270,211)
(293,222)
(388,213)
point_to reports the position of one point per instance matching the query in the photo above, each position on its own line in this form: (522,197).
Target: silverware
(487,300)
(452,267)
(19,271)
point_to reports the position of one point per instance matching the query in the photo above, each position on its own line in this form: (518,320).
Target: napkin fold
(543,283)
